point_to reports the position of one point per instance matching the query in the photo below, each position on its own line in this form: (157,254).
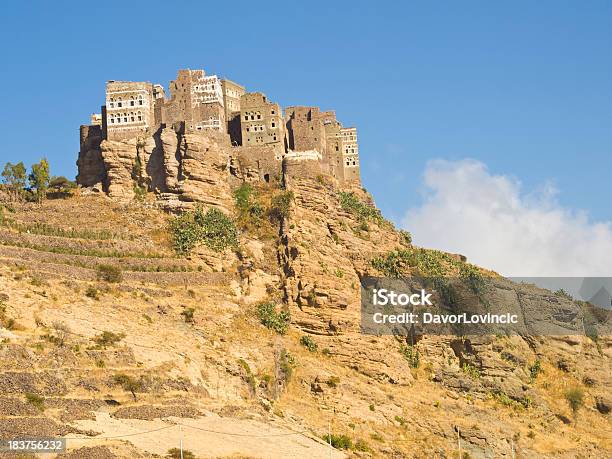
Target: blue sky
(524,87)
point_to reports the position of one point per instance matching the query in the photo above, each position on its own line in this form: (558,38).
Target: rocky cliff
(116,339)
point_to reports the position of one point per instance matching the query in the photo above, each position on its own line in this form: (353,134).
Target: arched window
(112,103)
(125,118)
(112,119)
(131,101)
(119,102)
(140,99)
(139,116)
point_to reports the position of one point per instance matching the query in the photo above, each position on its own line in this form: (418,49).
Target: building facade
(129,109)
(261,123)
(201,102)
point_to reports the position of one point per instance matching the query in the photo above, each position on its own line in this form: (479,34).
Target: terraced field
(77,348)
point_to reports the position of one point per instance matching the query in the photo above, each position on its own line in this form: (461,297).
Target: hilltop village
(257,135)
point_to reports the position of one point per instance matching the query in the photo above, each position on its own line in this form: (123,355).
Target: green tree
(39,179)
(14,177)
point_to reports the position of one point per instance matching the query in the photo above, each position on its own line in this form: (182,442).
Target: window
(258,116)
(273,112)
(246,117)
(273,124)
(119,102)
(131,101)
(247,129)
(252,117)
(139,100)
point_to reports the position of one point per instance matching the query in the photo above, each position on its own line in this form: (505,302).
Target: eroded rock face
(324,255)
(119,158)
(90,163)
(182,169)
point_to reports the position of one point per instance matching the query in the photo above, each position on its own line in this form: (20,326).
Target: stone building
(143,121)
(129,109)
(261,123)
(232,92)
(350,154)
(196,99)
(305,130)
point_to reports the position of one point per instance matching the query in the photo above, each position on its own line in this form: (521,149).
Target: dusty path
(238,437)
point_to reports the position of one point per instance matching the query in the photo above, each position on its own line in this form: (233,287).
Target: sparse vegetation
(471,370)
(333,381)
(128,383)
(39,179)
(270,318)
(175,453)
(108,338)
(109,273)
(563,294)
(362,212)
(35,400)
(187,314)
(575,399)
(248,207)
(339,441)
(61,332)
(308,343)
(92,292)
(212,228)
(286,363)
(534,370)
(281,203)
(411,354)
(248,375)
(362,445)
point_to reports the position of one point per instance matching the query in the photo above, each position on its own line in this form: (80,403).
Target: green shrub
(109,273)
(362,445)
(247,204)
(175,453)
(333,381)
(277,321)
(108,338)
(286,364)
(281,203)
(411,354)
(363,212)
(406,237)
(214,229)
(575,399)
(128,383)
(35,400)
(471,370)
(308,343)
(338,441)
(534,370)
(92,292)
(187,314)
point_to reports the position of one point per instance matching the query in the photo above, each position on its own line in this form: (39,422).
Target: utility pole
(329,437)
(181,445)
(459,443)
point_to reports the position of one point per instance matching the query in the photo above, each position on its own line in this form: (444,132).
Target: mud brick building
(256,130)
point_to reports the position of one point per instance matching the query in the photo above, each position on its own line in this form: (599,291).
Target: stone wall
(255,164)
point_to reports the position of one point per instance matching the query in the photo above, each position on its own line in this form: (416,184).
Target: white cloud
(491,220)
